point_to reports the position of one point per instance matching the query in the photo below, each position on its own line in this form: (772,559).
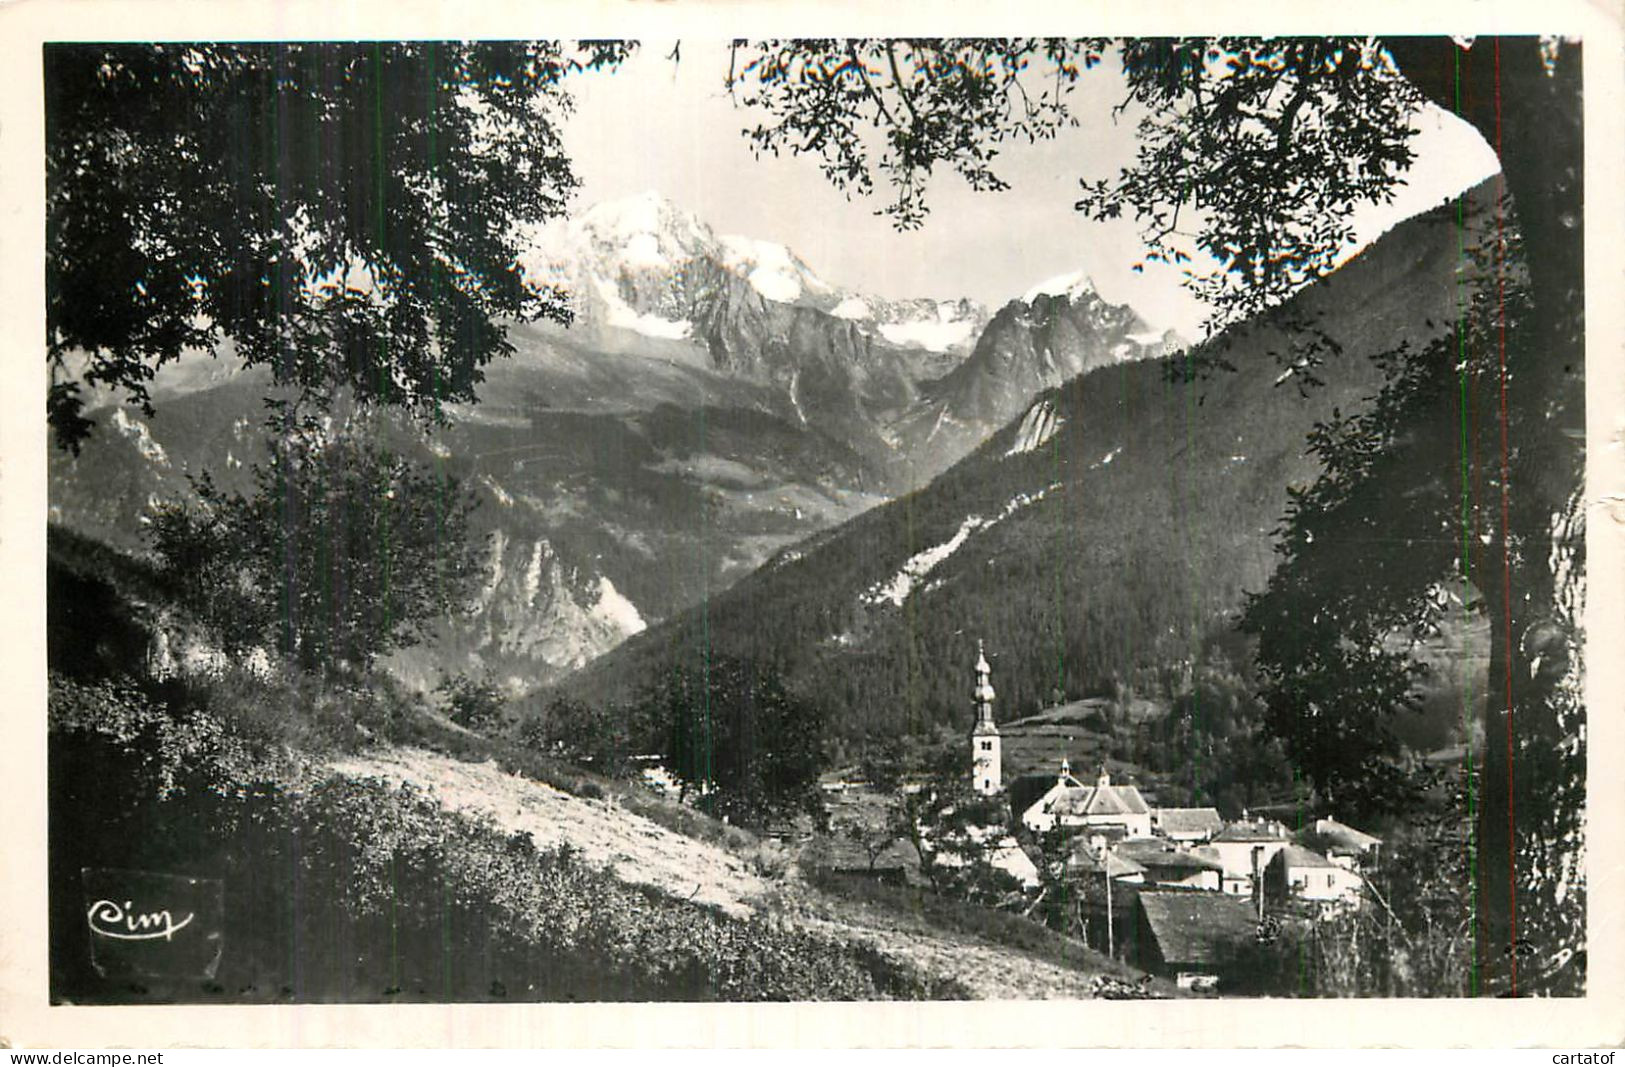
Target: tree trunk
(1531,786)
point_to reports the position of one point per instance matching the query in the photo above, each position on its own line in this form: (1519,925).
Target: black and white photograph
(720,518)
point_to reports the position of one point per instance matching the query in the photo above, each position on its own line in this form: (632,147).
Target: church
(986,760)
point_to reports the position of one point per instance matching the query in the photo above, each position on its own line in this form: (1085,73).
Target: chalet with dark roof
(1192,937)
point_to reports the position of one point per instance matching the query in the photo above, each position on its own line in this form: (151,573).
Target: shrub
(473,703)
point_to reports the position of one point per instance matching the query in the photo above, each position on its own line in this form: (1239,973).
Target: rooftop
(1344,837)
(1253,830)
(1100,799)
(1187,820)
(1154,853)
(1298,856)
(1085,860)
(1196,927)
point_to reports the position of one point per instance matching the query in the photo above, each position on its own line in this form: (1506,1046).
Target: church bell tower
(986,773)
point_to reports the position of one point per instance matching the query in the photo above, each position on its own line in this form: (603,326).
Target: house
(1296,872)
(896,864)
(1001,850)
(1192,937)
(1343,845)
(1186,824)
(1071,805)
(1168,864)
(1006,854)
(1087,860)
(1245,849)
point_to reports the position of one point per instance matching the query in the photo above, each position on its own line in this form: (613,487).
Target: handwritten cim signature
(105,916)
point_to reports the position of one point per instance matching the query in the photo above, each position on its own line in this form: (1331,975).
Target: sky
(672,128)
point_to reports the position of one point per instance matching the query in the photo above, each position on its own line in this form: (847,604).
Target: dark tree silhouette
(341,553)
(346,214)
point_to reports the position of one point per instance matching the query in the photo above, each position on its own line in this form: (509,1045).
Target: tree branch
(897,80)
(863,75)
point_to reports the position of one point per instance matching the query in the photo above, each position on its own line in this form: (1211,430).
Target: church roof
(1099,800)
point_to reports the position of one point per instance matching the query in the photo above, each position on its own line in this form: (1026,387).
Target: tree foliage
(1255,151)
(1215,747)
(733,733)
(1258,152)
(1370,553)
(596,735)
(896,108)
(474,701)
(341,553)
(344,213)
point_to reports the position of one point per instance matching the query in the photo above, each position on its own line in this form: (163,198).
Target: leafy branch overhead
(346,214)
(1254,151)
(896,108)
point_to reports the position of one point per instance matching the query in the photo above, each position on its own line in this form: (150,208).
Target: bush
(596,737)
(473,703)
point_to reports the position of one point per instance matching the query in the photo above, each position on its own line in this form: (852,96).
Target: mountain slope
(1112,525)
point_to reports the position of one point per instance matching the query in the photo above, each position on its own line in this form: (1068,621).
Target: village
(1179,892)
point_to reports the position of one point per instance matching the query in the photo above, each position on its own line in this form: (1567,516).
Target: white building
(1297,872)
(1245,848)
(1071,805)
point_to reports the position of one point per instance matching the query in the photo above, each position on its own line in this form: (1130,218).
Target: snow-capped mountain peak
(645,231)
(1071,286)
(642,263)
(772,269)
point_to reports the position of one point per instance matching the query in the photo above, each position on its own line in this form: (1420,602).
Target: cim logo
(152,923)
(111,920)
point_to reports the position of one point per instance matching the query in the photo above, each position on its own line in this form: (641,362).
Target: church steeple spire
(984,688)
(986,768)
